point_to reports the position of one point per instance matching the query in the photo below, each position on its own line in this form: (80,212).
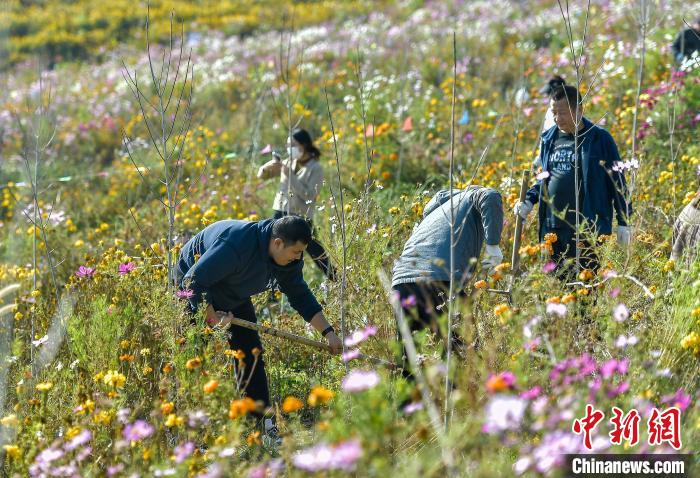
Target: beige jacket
(304,186)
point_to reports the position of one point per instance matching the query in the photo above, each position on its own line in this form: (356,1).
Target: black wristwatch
(327,330)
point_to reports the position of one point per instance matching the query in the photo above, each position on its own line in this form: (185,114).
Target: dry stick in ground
(433,413)
(340,214)
(579,75)
(450,299)
(37,221)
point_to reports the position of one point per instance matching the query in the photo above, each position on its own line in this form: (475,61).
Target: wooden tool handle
(515,258)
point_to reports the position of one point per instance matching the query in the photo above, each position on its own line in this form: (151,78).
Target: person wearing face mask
(300,180)
(580,173)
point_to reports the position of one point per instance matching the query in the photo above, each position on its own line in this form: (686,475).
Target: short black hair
(553,83)
(292,229)
(571,94)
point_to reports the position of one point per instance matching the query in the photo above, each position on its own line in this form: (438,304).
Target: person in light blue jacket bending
(421,275)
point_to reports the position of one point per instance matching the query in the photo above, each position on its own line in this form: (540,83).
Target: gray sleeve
(438,200)
(490,207)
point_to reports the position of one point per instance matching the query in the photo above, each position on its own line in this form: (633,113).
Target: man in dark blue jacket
(578,175)
(230,261)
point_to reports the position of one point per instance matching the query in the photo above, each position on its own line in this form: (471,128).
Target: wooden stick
(301,340)
(515,258)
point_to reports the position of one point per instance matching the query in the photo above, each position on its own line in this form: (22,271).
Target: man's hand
(624,235)
(492,257)
(522,209)
(217,318)
(335,343)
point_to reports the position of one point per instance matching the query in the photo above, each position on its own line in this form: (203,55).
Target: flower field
(103,374)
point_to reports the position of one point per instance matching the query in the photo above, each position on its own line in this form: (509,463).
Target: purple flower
(184,294)
(183,451)
(85,271)
(350,355)
(137,431)
(504,412)
(359,380)
(115,469)
(612,366)
(619,389)
(79,440)
(534,392)
(409,302)
(270,469)
(126,268)
(549,267)
(197,419)
(321,457)
(412,408)
(615,292)
(360,336)
(680,399)
(621,313)
(624,342)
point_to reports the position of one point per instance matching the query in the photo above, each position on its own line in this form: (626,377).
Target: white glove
(624,235)
(522,209)
(492,257)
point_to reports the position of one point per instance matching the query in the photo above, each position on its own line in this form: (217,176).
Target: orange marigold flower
(501,309)
(167,368)
(480,284)
(193,363)
(568,298)
(292,404)
(554,300)
(319,396)
(210,386)
(550,238)
(253,439)
(585,275)
(503,266)
(239,408)
(166,408)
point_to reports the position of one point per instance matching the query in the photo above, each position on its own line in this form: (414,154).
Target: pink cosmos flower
(85,271)
(413,407)
(549,267)
(126,268)
(350,355)
(321,457)
(680,399)
(534,392)
(184,294)
(409,302)
(137,431)
(359,380)
(360,336)
(183,451)
(504,412)
(621,313)
(556,309)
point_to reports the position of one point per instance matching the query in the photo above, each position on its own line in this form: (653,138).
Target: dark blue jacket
(603,188)
(234,264)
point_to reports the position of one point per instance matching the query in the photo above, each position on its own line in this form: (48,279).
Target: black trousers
(240,338)
(565,249)
(422,304)
(316,251)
